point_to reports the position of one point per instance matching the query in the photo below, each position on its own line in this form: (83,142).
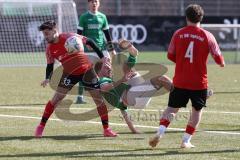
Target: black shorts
(179,98)
(89,80)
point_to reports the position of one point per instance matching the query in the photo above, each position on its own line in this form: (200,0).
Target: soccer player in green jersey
(94,24)
(131,89)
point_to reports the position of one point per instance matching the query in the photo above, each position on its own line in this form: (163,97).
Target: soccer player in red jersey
(76,67)
(189,49)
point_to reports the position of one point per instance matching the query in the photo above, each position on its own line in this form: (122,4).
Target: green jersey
(114,95)
(92,26)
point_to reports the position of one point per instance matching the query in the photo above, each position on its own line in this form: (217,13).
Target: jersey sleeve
(81,23)
(214,49)
(131,61)
(105,23)
(49,58)
(83,38)
(172,48)
(104,80)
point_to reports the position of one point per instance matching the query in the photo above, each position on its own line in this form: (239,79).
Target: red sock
(47,113)
(103,113)
(164,122)
(190,130)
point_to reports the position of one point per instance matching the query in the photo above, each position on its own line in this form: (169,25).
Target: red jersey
(76,63)
(189,49)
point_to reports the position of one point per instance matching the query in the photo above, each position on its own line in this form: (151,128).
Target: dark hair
(47,25)
(194,13)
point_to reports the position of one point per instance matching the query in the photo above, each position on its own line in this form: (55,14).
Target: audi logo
(134,33)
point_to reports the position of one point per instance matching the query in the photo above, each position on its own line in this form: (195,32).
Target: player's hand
(128,76)
(45,82)
(113,53)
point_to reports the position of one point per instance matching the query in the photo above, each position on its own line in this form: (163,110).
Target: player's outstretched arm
(129,122)
(109,45)
(49,70)
(93,45)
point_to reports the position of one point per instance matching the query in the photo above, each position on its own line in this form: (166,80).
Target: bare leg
(59,95)
(97,98)
(49,109)
(162,81)
(165,120)
(167,116)
(195,118)
(103,112)
(193,123)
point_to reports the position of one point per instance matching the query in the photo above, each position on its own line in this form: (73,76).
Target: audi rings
(134,33)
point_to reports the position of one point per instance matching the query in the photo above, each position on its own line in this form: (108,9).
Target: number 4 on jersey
(189,52)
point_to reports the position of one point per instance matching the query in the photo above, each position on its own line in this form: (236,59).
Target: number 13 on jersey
(189,52)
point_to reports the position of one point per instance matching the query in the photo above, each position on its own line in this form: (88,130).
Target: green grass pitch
(21,106)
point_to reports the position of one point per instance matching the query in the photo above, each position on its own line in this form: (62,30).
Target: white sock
(186,137)
(161,130)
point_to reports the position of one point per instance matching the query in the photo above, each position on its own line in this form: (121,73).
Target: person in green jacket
(94,24)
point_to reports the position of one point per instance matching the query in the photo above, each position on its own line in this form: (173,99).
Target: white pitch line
(222,132)
(145,110)
(118,124)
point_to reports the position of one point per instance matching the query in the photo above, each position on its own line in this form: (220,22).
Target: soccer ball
(73,44)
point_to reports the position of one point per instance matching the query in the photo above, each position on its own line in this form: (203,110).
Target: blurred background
(216,8)
(148,24)
(161,18)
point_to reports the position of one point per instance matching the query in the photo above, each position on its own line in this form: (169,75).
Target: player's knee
(168,116)
(162,81)
(165,79)
(156,83)
(57,98)
(136,80)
